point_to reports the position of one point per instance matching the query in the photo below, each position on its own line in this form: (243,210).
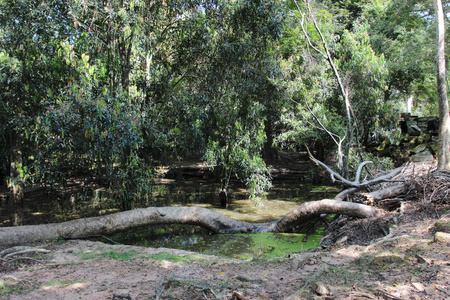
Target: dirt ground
(406,264)
(409,262)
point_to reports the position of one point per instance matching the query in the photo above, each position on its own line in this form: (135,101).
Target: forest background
(110,90)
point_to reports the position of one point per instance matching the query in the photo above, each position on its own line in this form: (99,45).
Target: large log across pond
(203,217)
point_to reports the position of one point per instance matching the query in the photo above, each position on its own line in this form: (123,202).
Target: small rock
(442,226)
(342,240)
(321,289)
(442,237)
(429,290)
(422,260)
(422,157)
(299,261)
(419,148)
(418,286)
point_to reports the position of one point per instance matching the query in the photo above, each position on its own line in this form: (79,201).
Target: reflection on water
(243,246)
(284,196)
(40,208)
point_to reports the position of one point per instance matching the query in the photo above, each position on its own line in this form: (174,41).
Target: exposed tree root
(353,295)
(7,253)
(22,281)
(388,295)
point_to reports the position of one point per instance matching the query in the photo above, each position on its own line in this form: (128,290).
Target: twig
(26,258)
(211,291)
(351,295)
(381,240)
(24,251)
(388,295)
(94,236)
(158,290)
(204,290)
(22,281)
(14,249)
(117,296)
(314,276)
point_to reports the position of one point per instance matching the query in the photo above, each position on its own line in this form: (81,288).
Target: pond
(282,198)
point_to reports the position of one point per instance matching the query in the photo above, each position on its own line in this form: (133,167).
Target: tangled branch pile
(433,188)
(424,194)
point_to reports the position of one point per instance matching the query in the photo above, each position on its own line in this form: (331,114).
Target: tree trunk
(389,192)
(15,179)
(203,217)
(444,119)
(223,198)
(270,153)
(343,90)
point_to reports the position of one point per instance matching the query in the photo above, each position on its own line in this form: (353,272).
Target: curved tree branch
(203,217)
(358,172)
(356,183)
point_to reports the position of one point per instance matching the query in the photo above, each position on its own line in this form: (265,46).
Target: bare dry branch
(336,176)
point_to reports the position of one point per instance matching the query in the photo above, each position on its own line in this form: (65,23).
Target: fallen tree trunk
(203,217)
(312,209)
(389,192)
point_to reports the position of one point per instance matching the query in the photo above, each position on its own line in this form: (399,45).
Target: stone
(299,261)
(442,225)
(430,290)
(342,240)
(422,260)
(321,289)
(419,148)
(418,286)
(442,237)
(424,156)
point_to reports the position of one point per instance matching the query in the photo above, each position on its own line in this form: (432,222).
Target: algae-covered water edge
(243,246)
(284,197)
(261,245)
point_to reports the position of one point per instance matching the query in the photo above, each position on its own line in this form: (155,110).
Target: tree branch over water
(356,183)
(203,217)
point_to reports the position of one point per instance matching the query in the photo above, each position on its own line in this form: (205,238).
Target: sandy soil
(407,264)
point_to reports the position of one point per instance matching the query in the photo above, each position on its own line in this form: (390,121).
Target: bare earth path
(407,264)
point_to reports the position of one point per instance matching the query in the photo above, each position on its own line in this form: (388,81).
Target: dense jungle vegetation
(110,90)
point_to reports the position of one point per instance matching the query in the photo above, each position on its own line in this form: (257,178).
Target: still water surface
(282,198)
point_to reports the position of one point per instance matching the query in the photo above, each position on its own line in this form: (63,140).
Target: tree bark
(16,164)
(203,217)
(444,118)
(386,193)
(342,88)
